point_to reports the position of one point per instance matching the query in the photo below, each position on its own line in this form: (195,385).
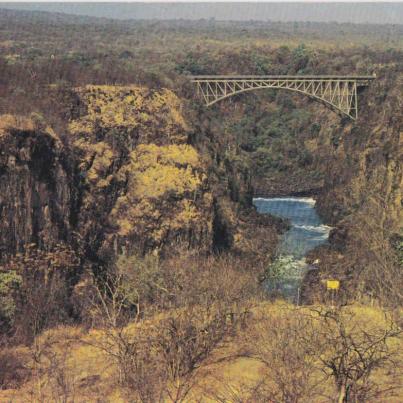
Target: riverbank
(298,183)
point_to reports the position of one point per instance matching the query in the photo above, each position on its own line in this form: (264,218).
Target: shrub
(14,368)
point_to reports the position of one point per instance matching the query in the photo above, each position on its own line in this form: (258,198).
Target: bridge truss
(337,92)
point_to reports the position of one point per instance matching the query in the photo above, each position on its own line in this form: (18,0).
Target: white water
(307,231)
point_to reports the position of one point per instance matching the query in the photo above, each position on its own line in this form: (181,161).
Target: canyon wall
(362,193)
(136,172)
(37,186)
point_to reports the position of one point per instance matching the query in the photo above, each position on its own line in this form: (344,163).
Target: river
(307,231)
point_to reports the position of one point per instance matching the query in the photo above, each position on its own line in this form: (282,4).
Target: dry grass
(25,123)
(66,365)
(15,122)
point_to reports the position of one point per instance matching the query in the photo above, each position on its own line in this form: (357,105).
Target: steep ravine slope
(143,186)
(128,179)
(353,168)
(37,186)
(362,193)
(129,176)
(135,173)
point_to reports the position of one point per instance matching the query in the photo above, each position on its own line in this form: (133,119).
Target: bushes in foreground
(189,354)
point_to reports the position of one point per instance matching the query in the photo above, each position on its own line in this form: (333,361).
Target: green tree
(10,282)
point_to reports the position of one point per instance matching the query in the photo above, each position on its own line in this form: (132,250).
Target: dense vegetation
(127,232)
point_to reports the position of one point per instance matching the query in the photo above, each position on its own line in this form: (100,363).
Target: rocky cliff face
(143,186)
(131,176)
(362,194)
(364,168)
(128,176)
(37,189)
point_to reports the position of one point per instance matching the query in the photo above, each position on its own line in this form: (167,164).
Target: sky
(225,10)
(205,1)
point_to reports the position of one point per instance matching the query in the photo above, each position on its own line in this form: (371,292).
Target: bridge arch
(336,92)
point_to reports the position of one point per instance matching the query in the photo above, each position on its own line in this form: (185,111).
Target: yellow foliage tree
(163,184)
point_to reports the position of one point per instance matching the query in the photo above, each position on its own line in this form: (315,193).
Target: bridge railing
(363,79)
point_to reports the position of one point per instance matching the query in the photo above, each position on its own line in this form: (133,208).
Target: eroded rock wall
(143,185)
(130,177)
(362,193)
(37,196)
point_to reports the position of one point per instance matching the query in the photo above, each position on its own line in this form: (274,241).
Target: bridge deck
(278,77)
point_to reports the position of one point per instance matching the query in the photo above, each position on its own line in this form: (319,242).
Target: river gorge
(306,232)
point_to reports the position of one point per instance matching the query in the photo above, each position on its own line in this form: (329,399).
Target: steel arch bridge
(336,92)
